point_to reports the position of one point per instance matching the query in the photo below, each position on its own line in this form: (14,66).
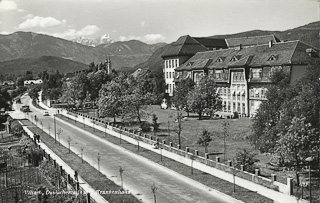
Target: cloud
(154,37)
(5,33)
(38,21)
(149,38)
(27,16)
(73,33)
(143,23)
(7,5)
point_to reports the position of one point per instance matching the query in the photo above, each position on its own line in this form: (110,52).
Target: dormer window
(273,58)
(220,59)
(190,64)
(235,58)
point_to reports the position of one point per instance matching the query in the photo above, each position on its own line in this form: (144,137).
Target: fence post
(196,152)
(88,197)
(217,159)
(229,163)
(68,179)
(187,149)
(273,177)
(290,186)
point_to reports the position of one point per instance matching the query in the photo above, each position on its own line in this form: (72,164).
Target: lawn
(236,141)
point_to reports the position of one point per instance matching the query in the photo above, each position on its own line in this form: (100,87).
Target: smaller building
(32,82)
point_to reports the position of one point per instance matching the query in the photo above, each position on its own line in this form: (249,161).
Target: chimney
(270,43)
(238,48)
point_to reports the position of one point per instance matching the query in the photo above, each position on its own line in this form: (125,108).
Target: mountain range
(33,45)
(37,65)
(105,39)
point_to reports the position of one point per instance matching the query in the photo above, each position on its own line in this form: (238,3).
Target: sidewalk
(93,193)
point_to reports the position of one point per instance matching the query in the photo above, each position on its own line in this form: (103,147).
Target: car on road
(25,108)
(46,113)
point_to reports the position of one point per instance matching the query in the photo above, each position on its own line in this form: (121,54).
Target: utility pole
(54,122)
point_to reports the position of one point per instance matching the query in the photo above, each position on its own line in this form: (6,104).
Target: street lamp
(54,122)
(98,162)
(82,148)
(309,159)
(225,126)
(121,171)
(154,189)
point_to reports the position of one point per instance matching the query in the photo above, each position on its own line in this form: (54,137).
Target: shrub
(245,158)
(145,127)
(155,123)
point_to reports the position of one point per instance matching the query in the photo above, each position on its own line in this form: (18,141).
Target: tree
(155,123)
(111,99)
(267,124)
(180,94)
(204,139)
(34,92)
(204,97)
(299,142)
(178,128)
(75,91)
(95,82)
(5,99)
(20,81)
(138,96)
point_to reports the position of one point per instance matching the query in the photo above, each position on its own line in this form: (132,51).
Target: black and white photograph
(159,101)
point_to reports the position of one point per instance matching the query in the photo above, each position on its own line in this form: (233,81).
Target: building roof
(212,43)
(250,41)
(255,56)
(185,46)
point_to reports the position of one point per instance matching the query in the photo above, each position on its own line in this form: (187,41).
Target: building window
(234,106)
(167,75)
(243,108)
(170,75)
(256,73)
(176,62)
(238,107)
(257,92)
(169,87)
(218,74)
(173,74)
(229,108)
(262,93)
(251,93)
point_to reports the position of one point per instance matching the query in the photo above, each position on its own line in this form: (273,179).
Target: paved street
(139,173)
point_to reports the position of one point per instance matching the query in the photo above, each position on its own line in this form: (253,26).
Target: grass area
(236,141)
(204,178)
(85,170)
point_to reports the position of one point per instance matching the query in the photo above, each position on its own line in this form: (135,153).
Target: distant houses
(32,82)
(242,68)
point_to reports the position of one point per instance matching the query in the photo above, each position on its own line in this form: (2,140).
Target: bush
(247,159)
(145,127)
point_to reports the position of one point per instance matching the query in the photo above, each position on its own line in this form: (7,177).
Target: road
(139,173)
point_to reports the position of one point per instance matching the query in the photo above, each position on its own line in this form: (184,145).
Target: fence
(285,186)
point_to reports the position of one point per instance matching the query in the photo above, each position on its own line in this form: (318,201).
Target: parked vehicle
(25,109)
(46,113)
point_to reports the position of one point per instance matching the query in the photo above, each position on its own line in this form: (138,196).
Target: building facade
(181,51)
(243,73)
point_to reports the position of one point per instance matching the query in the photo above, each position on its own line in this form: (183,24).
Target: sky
(153,21)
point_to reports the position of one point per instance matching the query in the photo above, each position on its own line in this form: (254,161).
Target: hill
(308,33)
(37,65)
(33,45)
